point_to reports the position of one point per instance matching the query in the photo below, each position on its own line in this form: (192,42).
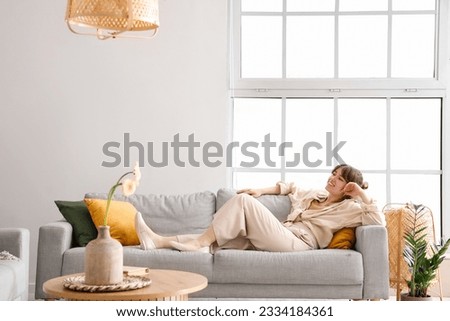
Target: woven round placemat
(76,283)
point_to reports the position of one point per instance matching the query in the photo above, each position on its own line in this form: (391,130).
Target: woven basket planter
(397,225)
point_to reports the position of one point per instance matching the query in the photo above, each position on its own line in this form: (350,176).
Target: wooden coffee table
(167,285)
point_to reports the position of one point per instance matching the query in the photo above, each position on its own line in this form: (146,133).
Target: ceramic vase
(103,261)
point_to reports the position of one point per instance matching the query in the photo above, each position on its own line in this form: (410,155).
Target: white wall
(63,96)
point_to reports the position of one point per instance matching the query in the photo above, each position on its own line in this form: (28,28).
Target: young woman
(244,223)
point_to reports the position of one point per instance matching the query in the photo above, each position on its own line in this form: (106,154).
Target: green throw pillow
(77,214)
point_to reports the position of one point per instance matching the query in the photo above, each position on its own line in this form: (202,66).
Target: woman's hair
(351,174)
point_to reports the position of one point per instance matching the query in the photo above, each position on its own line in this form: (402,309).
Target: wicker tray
(76,283)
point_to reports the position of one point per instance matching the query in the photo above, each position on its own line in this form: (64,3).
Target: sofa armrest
(371,242)
(16,241)
(54,239)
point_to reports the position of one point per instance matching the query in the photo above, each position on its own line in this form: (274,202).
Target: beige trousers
(244,223)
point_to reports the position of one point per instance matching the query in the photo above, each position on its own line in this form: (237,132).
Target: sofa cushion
(279,205)
(121,217)
(319,267)
(172,214)
(343,239)
(197,262)
(77,214)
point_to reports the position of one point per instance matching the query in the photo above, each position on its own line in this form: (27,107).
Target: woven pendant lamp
(107,19)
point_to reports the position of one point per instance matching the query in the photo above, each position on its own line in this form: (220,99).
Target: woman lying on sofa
(244,223)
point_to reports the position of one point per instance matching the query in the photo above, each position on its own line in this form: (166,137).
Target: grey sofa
(14,269)
(361,273)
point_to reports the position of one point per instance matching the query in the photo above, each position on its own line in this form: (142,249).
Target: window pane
(254,119)
(362,125)
(307,123)
(363,5)
(413,46)
(310,47)
(261,47)
(419,189)
(377,187)
(415,134)
(413,4)
(255,180)
(310,5)
(262,5)
(363,46)
(308,180)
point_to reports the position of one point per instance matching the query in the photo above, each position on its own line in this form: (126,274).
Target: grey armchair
(14,274)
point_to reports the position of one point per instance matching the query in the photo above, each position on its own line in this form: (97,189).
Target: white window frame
(355,87)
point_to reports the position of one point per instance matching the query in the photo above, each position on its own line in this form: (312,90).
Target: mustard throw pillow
(343,239)
(120,219)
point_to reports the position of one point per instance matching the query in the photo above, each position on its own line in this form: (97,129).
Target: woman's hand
(257,192)
(355,191)
(352,189)
(251,191)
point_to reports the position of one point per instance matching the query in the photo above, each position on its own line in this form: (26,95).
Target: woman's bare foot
(149,239)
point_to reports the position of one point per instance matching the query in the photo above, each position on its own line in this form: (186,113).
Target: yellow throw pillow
(120,219)
(343,239)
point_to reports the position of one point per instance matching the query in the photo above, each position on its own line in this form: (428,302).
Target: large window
(337,39)
(317,83)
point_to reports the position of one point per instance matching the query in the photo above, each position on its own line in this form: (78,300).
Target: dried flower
(128,187)
(137,173)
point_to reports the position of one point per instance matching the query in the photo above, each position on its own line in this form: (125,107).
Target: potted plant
(422,256)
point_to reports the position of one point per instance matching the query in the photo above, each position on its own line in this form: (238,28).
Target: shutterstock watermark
(185,152)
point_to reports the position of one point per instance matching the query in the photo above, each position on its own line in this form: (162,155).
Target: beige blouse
(325,221)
